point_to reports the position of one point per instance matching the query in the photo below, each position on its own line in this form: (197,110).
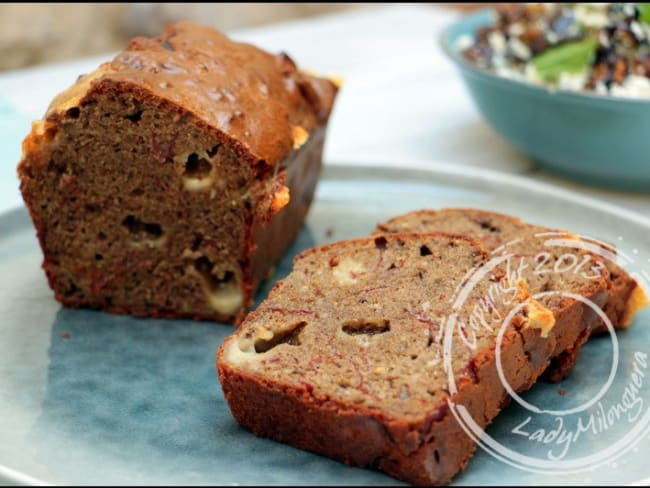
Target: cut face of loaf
(345,356)
(168,181)
(494,230)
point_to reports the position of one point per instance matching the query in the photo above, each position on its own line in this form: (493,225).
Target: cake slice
(494,229)
(345,356)
(168,181)
(504,233)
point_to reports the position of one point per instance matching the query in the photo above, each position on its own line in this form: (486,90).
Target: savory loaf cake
(168,181)
(494,230)
(345,356)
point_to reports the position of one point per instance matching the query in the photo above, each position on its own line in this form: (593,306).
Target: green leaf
(644,10)
(570,58)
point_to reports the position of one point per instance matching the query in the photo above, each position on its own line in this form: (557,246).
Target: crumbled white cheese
(628,10)
(637,30)
(500,62)
(530,74)
(552,37)
(516,29)
(633,86)
(600,88)
(497,42)
(464,41)
(347,271)
(603,39)
(511,74)
(519,49)
(572,81)
(591,15)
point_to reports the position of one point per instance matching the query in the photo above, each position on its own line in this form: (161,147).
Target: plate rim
(474,173)
(376,168)
(12,476)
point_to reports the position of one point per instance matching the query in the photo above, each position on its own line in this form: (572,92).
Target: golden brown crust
(254,98)
(118,145)
(270,239)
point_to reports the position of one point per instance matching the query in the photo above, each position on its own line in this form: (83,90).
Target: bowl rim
(454,55)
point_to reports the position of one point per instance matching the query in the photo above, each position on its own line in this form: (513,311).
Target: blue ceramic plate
(87,397)
(588,137)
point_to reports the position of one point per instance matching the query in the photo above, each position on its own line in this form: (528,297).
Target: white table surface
(402,99)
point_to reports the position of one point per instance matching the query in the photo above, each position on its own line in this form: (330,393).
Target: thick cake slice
(345,357)
(493,230)
(169,180)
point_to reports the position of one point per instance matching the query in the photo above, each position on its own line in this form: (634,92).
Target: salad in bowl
(602,48)
(567,84)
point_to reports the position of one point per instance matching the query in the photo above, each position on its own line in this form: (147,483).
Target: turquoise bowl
(590,138)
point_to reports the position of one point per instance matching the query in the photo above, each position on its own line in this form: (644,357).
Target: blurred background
(386,52)
(37,33)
